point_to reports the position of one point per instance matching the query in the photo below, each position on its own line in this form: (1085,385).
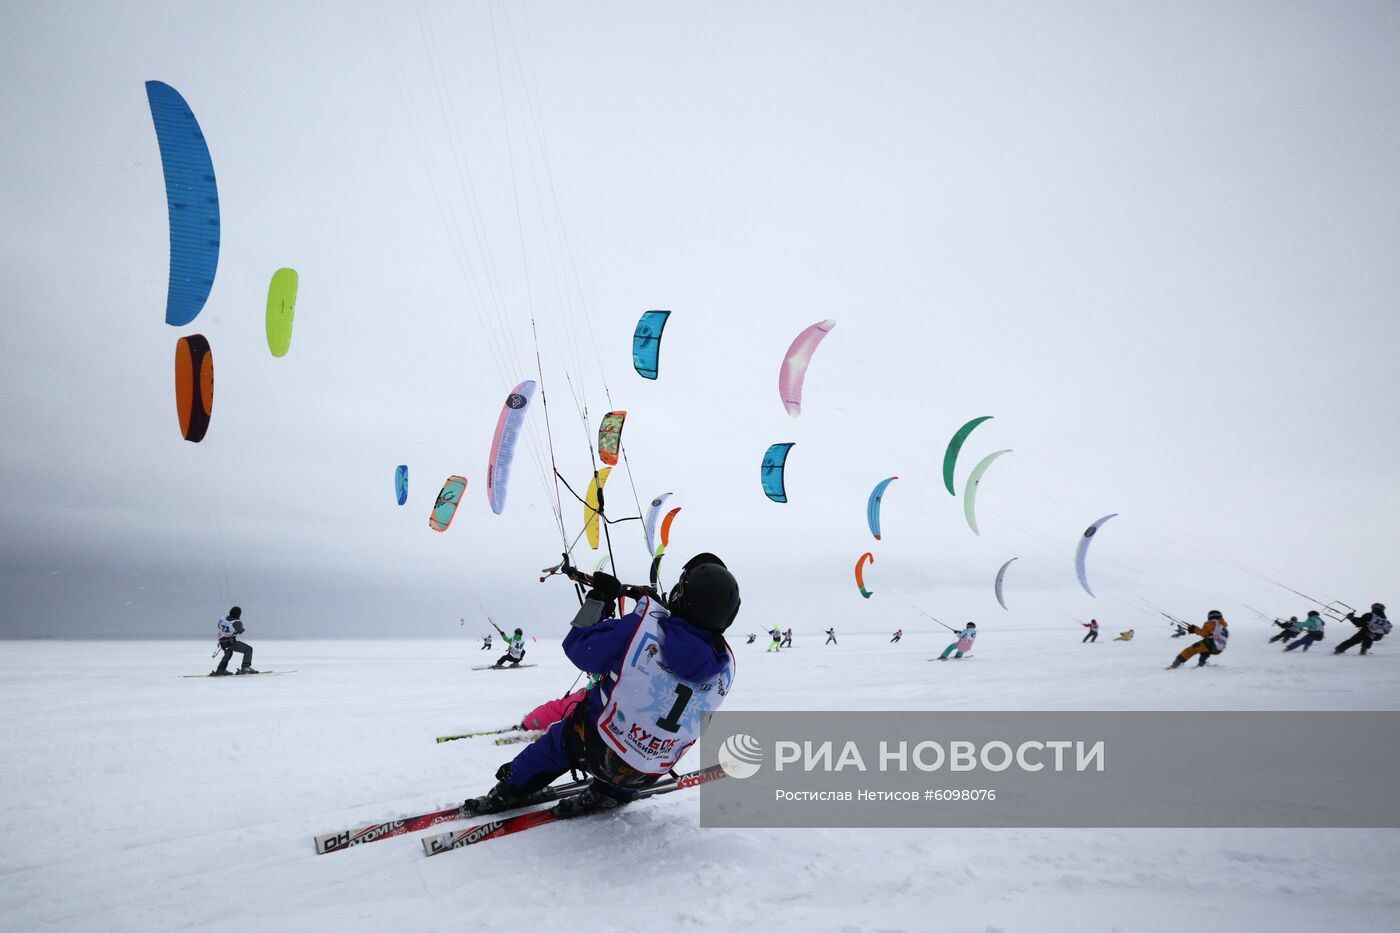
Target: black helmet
(1378,607)
(1314,612)
(706,595)
(1215,614)
(972,625)
(235,613)
(519,632)
(704,557)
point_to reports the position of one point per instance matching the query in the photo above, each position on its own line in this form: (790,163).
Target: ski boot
(1202,661)
(219,673)
(245,670)
(1175,664)
(498,798)
(588,801)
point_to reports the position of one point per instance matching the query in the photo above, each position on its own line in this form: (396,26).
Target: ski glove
(606,587)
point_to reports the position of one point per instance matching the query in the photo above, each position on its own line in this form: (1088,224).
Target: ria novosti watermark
(1052,769)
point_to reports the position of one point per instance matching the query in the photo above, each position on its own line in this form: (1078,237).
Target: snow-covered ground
(138,800)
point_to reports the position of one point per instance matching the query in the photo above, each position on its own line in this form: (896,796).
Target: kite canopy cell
(1001,576)
(666,529)
(446,505)
(794,369)
(773,470)
(1083,550)
(950,457)
(503,443)
(974,480)
(281,308)
(593,504)
(866,558)
(610,436)
(192,201)
(646,343)
(650,526)
(194,386)
(872,507)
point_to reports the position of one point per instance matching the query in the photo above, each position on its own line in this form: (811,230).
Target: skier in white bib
(230,627)
(663,669)
(515,649)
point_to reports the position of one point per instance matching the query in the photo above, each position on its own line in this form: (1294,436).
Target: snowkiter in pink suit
(965,637)
(552,711)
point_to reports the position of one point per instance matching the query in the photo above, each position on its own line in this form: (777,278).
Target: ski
(445,842)
(334,842)
(472,735)
(231,674)
(503,667)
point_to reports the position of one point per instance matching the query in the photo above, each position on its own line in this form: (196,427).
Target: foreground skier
(663,667)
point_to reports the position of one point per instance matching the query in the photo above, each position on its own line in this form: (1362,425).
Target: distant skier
(1311,629)
(486,643)
(1370,628)
(899,633)
(752,637)
(616,735)
(515,649)
(787,638)
(230,627)
(775,639)
(963,645)
(1214,634)
(1093,626)
(831,636)
(1291,629)
(1125,636)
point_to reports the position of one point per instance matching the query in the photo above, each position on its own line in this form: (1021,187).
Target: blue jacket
(602,647)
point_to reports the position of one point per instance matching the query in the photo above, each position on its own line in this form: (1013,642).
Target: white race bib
(653,714)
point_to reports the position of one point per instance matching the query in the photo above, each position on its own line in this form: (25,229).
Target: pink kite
(794,368)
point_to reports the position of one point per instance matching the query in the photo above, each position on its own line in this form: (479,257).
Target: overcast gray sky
(1156,241)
